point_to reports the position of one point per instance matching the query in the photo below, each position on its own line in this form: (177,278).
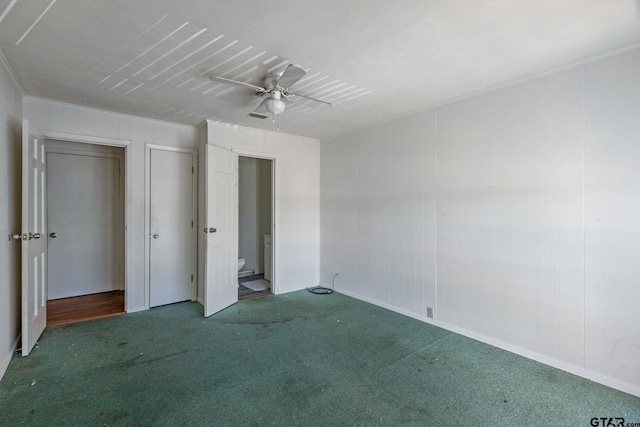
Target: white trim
(85,139)
(255,154)
(555,70)
(7,358)
(273,157)
(254,129)
(572,369)
(137,309)
(84,153)
(128,199)
(147,214)
(12,74)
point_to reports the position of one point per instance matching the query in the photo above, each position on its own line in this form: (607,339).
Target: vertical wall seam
(436,315)
(463,282)
(493,219)
(584,223)
(602,222)
(544,223)
(522,263)
(473,233)
(557,237)
(423,139)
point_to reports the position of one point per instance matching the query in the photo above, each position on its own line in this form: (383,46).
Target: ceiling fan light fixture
(274,104)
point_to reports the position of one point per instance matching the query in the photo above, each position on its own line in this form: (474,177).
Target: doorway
(85,222)
(255,208)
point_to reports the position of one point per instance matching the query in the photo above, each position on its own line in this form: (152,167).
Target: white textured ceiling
(373,59)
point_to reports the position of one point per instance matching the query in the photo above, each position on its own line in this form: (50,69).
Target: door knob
(34,236)
(156,236)
(18,237)
(212,230)
(53,235)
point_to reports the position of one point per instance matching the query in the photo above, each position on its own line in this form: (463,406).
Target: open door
(221,221)
(34,237)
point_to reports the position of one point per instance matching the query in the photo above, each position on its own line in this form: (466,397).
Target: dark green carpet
(295,359)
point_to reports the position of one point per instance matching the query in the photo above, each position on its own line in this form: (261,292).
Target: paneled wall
(10,202)
(512,214)
(296,234)
(88,122)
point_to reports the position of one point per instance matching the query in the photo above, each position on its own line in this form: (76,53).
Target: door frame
(147,213)
(274,219)
(128,218)
(119,225)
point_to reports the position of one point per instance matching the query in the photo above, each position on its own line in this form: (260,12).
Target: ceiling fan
(276,89)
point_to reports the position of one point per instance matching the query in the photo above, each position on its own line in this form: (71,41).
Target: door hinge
(193,170)
(191,224)
(192,277)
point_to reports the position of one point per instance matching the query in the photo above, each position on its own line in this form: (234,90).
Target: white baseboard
(136,309)
(576,370)
(7,358)
(280,291)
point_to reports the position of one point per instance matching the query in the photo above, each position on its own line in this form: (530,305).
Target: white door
(34,237)
(171,222)
(86,251)
(221,226)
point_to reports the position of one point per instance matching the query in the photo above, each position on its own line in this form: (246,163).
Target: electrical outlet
(430,312)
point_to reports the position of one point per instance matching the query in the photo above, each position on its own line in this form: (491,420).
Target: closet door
(171,222)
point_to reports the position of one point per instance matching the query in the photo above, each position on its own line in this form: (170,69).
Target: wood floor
(84,307)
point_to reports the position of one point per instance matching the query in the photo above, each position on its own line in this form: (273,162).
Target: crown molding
(16,82)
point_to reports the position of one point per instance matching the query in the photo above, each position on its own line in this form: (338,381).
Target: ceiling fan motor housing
(271,79)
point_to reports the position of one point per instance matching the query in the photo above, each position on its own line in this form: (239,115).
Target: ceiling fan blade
(291,75)
(262,108)
(324,103)
(236,83)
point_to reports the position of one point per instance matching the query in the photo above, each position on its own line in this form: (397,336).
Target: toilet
(244,271)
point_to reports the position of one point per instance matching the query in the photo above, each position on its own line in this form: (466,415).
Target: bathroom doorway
(255,219)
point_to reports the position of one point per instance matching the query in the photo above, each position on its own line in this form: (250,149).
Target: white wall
(58,117)
(10,202)
(254,182)
(513,214)
(248,212)
(297,197)
(264,208)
